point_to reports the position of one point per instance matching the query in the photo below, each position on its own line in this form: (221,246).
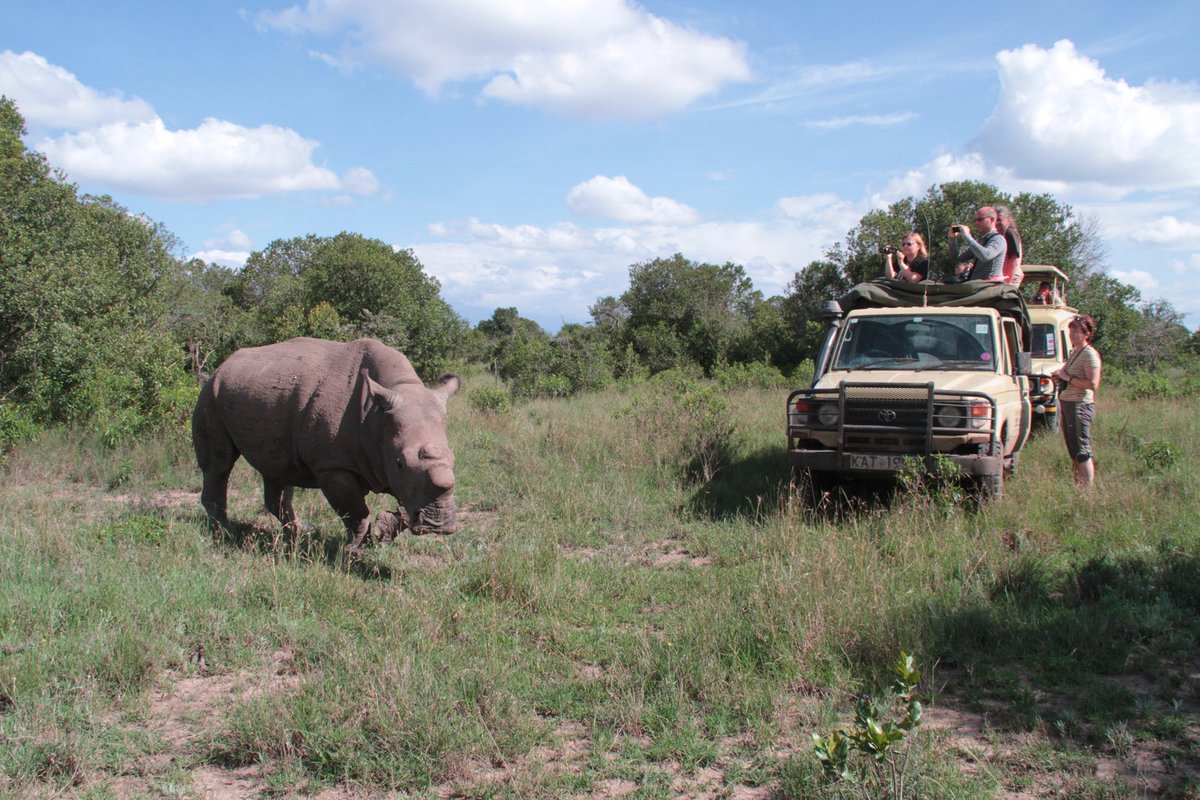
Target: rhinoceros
(348,418)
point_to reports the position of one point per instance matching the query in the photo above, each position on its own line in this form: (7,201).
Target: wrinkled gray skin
(347,418)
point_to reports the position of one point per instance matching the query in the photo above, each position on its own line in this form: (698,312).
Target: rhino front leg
(348,499)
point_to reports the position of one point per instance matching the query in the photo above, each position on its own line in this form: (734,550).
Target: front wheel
(814,486)
(1052,422)
(990,488)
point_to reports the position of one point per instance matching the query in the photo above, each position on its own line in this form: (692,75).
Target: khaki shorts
(1076,421)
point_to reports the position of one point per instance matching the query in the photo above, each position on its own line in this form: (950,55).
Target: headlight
(949,417)
(827,415)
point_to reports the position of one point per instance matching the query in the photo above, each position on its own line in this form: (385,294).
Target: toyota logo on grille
(887,415)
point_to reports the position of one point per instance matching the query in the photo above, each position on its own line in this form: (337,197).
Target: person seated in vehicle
(1045,296)
(909,263)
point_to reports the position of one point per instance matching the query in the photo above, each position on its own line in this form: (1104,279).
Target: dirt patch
(668,553)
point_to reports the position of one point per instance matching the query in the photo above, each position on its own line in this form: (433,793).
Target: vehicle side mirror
(1024,364)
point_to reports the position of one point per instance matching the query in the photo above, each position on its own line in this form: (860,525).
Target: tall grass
(680,618)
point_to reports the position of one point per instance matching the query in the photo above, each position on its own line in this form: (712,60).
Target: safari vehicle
(1049,346)
(930,371)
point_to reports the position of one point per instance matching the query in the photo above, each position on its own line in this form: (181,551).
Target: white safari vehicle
(928,371)
(1049,316)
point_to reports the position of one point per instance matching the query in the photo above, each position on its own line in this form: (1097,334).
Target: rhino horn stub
(433,452)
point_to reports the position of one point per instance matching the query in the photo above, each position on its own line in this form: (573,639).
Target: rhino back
(292,408)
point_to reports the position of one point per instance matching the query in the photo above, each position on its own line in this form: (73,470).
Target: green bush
(488,399)
(689,422)
(802,375)
(1149,385)
(528,387)
(16,425)
(753,375)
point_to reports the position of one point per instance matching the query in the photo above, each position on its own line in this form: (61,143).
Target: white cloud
(235,238)
(868,120)
(590,58)
(216,160)
(122,144)
(825,212)
(618,199)
(50,96)
(1168,231)
(554,273)
(233,259)
(1060,117)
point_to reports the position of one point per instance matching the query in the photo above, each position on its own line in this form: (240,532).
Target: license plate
(873,462)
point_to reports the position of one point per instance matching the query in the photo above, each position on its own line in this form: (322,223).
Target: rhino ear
(377,394)
(447,385)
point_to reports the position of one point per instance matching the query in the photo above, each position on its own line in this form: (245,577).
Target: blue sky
(530,151)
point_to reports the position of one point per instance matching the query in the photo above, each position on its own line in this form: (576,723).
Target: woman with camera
(909,263)
(1078,380)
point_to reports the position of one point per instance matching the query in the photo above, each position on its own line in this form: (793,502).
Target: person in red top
(1007,227)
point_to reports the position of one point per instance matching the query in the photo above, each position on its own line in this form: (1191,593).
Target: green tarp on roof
(891,293)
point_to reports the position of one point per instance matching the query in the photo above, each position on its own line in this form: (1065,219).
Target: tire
(1052,423)
(814,486)
(990,488)
(1010,466)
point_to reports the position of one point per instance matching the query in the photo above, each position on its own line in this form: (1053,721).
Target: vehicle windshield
(1044,342)
(905,341)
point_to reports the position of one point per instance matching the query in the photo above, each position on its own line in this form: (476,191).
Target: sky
(529,152)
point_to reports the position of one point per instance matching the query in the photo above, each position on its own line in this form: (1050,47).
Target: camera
(887,250)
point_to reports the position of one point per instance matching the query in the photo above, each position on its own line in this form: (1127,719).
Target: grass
(606,622)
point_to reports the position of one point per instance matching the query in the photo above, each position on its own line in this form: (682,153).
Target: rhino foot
(389,524)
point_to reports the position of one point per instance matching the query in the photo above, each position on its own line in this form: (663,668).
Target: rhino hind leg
(213,498)
(215,454)
(278,499)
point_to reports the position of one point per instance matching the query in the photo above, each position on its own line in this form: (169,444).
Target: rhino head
(408,424)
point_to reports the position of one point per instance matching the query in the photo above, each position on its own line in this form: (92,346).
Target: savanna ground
(606,623)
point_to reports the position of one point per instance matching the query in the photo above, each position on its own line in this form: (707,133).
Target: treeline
(102,322)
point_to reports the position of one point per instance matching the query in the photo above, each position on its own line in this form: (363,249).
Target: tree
(202,315)
(677,309)
(347,286)
(1161,338)
(82,323)
(803,305)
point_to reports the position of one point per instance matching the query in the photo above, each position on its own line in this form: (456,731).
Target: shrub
(802,375)
(489,399)
(689,421)
(16,425)
(753,375)
(1149,385)
(528,387)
